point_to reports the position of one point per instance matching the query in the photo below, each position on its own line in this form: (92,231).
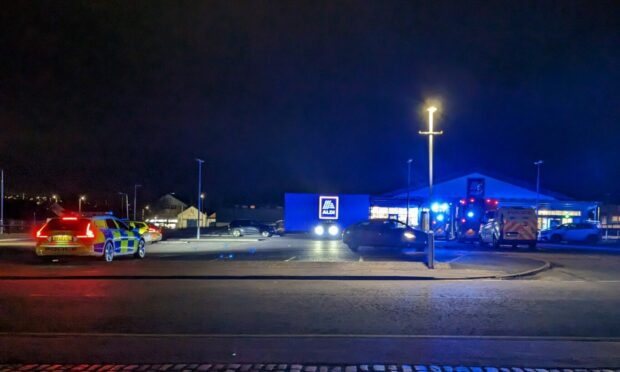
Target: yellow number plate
(62,238)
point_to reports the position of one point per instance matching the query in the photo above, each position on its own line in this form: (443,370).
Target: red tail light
(40,234)
(153,229)
(463,220)
(463,201)
(471,200)
(88,234)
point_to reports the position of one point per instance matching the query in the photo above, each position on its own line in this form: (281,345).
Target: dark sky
(306,95)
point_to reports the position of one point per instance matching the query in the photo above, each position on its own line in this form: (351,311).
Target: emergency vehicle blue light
(440,217)
(470,214)
(444,207)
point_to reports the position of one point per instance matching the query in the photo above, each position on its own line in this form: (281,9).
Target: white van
(509,226)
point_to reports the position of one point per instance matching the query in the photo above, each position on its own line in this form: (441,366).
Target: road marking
(307,335)
(361,259)
(290,259)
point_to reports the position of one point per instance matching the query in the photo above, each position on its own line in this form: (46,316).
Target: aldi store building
(303,211)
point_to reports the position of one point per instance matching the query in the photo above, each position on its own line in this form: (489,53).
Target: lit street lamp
(538,163)
(80,200)
(200,161)
(135,205)
(430,133)
(408,186)
(146,207)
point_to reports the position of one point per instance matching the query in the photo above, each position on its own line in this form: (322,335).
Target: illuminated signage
(328,207)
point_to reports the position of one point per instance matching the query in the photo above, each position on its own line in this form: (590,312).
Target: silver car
(588,232)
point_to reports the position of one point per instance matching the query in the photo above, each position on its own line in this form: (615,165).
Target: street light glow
(431,109)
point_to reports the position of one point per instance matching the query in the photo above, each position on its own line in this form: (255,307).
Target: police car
(99,236)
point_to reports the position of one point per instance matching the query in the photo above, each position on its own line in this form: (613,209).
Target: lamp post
(80,200)
(537,163)
(200,161)
(146,207)
(135,205)
(126,202)
(430,133)
(408,186)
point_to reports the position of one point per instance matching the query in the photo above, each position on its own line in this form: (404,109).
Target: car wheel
(592,239)
(555,238)
(265,234)
(354,247)
(141,251)
(236,233)
(532,246)
(108,252)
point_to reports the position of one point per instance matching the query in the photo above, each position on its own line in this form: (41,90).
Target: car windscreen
(67,224)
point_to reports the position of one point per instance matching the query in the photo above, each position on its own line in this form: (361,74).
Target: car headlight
(409,235)
(333,230)
(319,230)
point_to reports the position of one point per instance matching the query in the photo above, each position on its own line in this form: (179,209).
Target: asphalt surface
(576,302)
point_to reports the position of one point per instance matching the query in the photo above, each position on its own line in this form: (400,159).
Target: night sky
(316,96)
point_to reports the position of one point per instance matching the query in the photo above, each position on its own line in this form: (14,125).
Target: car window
(68,224)
(111,224)
(122,225)
(101,224)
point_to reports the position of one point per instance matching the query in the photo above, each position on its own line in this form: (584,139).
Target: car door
(394,233)
(129,241)
(570,232)
(486,230)
(114,233)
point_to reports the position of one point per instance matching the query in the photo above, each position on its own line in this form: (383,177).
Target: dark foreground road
(567,316)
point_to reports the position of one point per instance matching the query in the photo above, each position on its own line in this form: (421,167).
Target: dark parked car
(384,233)
(248,227)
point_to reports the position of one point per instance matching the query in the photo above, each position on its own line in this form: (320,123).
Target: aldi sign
(328,207)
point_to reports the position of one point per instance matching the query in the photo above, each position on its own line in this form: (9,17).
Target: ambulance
(509,226)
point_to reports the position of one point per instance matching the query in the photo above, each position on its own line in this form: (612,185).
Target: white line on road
(361,259)
(290,259)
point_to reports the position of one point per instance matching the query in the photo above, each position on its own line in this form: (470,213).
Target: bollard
(430,250)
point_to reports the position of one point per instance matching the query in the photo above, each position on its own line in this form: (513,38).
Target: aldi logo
(328,207)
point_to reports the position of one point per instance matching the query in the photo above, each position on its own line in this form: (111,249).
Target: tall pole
(537,163)
(135,205)
(126,196)
(2,202)
(408,186)
(430,133)
(200,161)
(80,204)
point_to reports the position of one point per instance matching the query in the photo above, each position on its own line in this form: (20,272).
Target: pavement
(565,316)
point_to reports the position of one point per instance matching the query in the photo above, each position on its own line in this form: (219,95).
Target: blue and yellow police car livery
(100,236)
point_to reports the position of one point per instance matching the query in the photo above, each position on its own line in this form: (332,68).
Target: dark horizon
(306,96)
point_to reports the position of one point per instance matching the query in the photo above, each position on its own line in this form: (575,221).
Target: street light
(430,133)
(408,186)
(146,207)
(135,205)
(80,200)
(200,161)
(537,163)
(126,202)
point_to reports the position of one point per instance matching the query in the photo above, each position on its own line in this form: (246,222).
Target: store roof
(495,188)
